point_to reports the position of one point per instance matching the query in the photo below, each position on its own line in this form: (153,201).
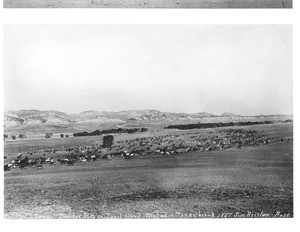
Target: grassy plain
(254,181)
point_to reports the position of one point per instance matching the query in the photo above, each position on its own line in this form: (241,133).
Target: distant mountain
(34,117)
(36,120)
(227,114)
(23,117)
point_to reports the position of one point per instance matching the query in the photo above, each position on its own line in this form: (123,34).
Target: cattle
(163,145)
(39,166)
(70,162)
(7,167)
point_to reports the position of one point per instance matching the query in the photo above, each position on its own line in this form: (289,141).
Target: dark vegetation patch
(213,125)
(111,131)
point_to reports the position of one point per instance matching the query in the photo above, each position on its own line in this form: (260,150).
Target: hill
(37,121)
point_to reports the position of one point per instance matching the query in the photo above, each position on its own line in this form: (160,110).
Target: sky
(242,69)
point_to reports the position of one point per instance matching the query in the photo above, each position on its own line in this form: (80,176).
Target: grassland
(249,182)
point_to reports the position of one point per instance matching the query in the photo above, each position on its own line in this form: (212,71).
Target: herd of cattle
(169,144)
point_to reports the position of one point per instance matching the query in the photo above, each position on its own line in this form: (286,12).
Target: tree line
(212,125)
(111,131)
(14,137)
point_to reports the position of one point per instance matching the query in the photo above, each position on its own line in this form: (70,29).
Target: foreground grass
(252,180)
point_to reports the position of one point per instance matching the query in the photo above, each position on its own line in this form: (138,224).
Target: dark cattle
(6,167)
(70,162)
(23,165)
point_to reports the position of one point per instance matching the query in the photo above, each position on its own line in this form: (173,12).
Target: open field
(30,144)
(149,3)
(241,182)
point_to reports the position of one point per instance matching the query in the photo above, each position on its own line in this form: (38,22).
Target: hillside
(36,121)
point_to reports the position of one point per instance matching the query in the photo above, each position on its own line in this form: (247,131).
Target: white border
(161,16)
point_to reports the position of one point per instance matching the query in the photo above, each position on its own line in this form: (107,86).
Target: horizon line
(270,114)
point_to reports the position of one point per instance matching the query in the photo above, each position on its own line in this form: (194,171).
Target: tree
(48,135)
(108,141)
(21,136)
(61,135)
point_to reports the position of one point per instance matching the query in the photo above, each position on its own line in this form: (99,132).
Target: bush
(108,141)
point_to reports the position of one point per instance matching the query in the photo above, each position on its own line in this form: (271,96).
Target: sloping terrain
(252,180)
(36,121)
(235,181)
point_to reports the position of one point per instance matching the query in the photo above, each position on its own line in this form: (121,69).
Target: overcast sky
(244,69)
